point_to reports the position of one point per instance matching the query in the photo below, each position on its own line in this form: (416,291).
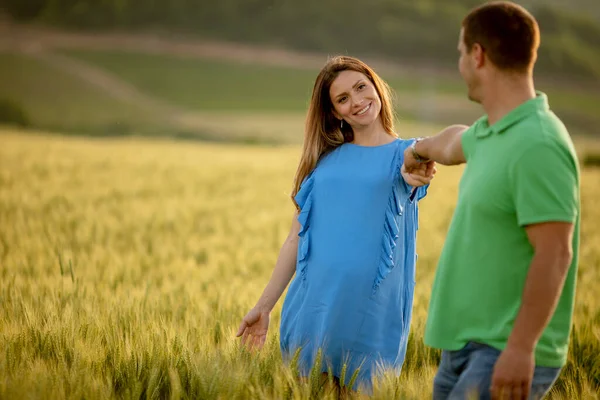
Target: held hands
(410,163)
(513,374)
(253,328)
(418,175)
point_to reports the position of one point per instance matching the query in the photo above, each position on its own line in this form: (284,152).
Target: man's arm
(544,180)
(444,148)
(553,253)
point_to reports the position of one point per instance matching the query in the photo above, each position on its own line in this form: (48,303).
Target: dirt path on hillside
(44,45)
(19,36)
(117,88)
(41,45)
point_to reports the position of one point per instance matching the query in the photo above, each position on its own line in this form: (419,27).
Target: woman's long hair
(322,129)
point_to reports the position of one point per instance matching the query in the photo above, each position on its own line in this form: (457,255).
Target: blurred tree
(24,10)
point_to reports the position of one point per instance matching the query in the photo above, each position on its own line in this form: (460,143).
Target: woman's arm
(283,271)
(255,324)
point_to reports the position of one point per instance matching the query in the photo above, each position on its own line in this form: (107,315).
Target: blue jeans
(468,371)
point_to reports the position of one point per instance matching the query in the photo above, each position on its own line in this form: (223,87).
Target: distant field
(225,100)
(55,99)
(214,85)
(208,85)
(127,265)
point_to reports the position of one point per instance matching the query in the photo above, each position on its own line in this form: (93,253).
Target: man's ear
(478,55)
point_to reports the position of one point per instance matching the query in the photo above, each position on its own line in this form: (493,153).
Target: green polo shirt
(522,170)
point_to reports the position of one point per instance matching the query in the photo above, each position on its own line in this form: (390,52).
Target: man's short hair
(508,34)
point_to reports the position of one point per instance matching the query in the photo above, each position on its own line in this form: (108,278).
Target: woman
(352,240)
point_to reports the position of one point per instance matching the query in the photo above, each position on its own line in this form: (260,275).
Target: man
(502,299)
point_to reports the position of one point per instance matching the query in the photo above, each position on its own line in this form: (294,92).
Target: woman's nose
(357,100)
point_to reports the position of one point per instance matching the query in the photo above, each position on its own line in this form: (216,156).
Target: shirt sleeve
(467,140)
(545,181)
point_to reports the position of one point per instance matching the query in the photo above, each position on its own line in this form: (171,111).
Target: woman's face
(354,99)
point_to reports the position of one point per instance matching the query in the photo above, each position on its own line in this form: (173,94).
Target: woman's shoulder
(330,154)
(404,143)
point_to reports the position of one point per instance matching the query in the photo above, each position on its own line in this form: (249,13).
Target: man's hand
(513,374)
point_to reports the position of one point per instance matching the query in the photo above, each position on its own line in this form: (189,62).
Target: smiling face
(355,99)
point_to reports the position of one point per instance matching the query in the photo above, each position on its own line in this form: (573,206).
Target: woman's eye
(343,99)
(361,86)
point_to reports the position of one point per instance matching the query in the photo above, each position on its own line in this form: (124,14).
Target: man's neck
(505,93)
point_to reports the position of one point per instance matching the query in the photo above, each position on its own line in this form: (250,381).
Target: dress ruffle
(391,229)
(304,199)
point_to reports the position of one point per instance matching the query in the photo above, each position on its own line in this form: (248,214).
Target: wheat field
(127,265)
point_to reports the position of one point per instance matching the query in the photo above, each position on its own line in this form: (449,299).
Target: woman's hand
(420,175)
(253,328)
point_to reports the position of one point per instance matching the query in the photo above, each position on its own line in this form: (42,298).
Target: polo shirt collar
(540,102)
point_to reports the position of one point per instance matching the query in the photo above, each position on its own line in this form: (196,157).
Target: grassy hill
(228,100)
(54,99)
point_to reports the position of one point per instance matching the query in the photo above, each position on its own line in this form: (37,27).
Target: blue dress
(352,293)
